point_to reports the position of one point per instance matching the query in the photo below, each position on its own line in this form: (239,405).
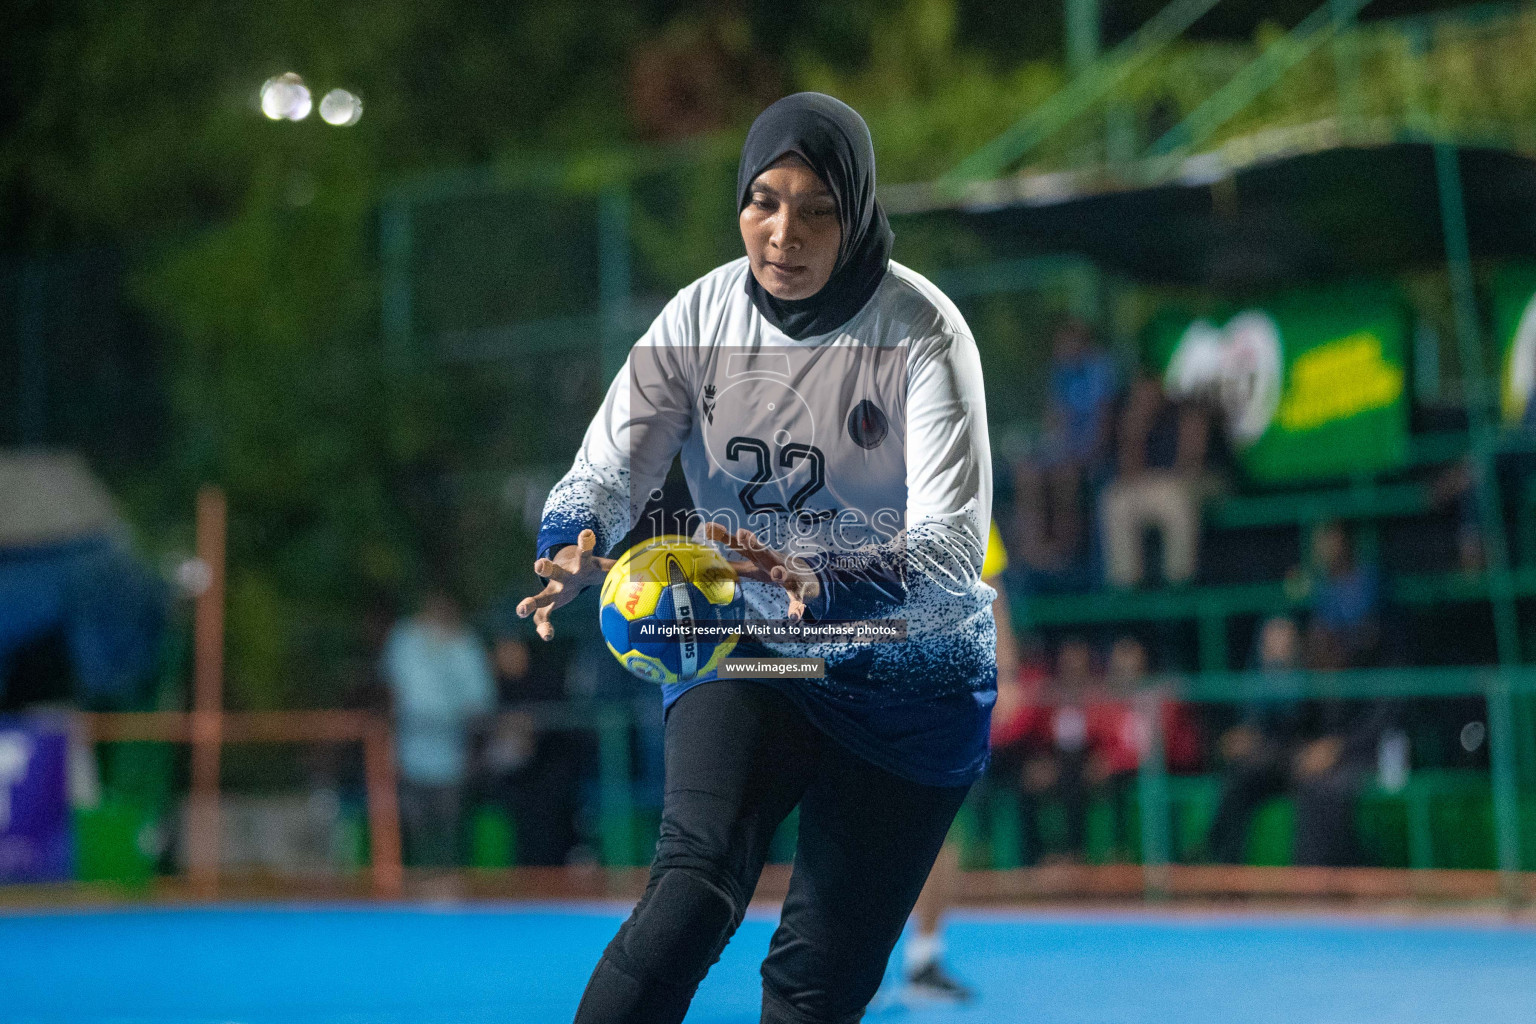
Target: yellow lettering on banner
(1338,380)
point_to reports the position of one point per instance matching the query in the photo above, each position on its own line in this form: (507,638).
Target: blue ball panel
(615,628)
(620,633)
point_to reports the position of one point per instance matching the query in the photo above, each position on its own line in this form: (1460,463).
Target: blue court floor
(527,964)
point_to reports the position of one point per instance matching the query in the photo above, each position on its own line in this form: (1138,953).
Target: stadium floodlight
(341,108)
(286,97)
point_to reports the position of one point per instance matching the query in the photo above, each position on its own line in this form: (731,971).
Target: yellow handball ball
(662,607)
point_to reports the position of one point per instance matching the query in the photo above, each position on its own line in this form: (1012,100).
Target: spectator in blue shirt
(1345,628)
(1083,386)
(1074,449)
(440,682)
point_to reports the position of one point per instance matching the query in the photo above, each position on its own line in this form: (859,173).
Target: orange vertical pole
(383,810)
(207,697)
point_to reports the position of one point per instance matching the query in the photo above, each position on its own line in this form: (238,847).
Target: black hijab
(833,139)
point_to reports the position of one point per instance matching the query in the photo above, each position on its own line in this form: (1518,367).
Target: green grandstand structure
(1220,208)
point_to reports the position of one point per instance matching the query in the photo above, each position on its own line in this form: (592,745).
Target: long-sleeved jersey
(865,452)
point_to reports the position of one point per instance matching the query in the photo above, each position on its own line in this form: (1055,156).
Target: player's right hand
(769,566)
(572,568)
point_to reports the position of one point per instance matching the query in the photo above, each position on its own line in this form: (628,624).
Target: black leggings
(739,756)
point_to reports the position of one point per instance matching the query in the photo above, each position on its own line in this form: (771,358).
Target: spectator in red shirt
(1077,738)
(1118,733)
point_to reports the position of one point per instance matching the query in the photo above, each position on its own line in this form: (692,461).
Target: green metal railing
(1406,58)
(1267,69)
(1497,686)
(1091,85)
(1212,607)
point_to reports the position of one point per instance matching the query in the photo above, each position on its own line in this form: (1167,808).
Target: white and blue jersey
(864,451)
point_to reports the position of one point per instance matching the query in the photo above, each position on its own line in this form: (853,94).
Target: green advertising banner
(1311,382)
(1514,325)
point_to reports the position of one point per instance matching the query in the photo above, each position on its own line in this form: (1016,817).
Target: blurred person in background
(1117,735)
(440,685)
(1044,744)
(1057,768)
(1454,488)
(1344,629)
(1318,752)
(535,773)
(1161,480)
(1257,751)
(1075,443)
(1344,737)
(1078,738)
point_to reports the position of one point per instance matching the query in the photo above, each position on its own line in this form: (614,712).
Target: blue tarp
(110,609)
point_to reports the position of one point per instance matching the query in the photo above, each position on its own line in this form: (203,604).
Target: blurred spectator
(536,774)
(1455,488)
(1124,740)
(1057,766)
(1319,752)
(1017,715)
(1078,738)
(1118,735)
(439,681)
(1255,750)
(1074,447)
(1068,740)
(1161,482)
(1344,630)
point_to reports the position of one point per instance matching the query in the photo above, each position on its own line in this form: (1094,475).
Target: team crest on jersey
(709,402)
(868,425)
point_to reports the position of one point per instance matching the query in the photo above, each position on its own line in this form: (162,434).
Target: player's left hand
(572,568)
(769,566)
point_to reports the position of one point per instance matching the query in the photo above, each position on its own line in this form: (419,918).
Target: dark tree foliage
(246,348)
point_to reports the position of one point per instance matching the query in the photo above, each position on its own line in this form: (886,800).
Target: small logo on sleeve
(709,402)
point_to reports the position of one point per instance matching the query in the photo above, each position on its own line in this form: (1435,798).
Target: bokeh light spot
(340,108)
(286,97)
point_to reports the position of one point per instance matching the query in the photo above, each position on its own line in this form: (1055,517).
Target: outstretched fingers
(541,623)
(540,606)
(552,570)
(798,588)
(528,605)
(768,566)
(720,535)
(746,544)
(564,582)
